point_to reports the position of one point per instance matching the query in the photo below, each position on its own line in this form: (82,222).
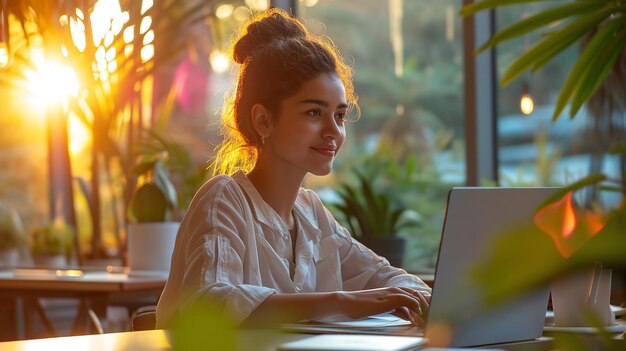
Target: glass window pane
(407,58)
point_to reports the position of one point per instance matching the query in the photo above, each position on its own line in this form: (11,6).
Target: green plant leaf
(599,70)
(612,188)
(343,208)
(491,4)
(372,201)
(537,21)
(148,204)
(584,62)
(607,246)
(555,43)
(353,208)
(509,253)
(162,181)
(581,183)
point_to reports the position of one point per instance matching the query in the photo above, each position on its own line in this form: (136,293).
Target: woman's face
(310,129)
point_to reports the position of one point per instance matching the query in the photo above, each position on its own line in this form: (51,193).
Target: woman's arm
(285,308)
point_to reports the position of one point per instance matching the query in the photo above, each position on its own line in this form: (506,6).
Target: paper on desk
(375,321)
(383,324)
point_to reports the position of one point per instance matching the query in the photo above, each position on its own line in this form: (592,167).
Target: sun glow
(219,61)
(52,82)
(4,56)
(78,135)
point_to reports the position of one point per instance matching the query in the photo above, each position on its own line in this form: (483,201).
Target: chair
(144,318)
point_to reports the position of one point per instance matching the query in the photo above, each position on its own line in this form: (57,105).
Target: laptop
(458,318)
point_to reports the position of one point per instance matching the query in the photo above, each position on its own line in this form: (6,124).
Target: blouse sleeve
(210,265)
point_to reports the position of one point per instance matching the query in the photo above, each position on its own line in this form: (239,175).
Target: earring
(263,139)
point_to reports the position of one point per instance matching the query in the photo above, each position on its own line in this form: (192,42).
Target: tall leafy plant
(114,71)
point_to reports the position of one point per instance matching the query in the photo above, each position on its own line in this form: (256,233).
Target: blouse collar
(265,214)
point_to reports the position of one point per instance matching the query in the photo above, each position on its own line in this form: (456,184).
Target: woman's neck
(278,189)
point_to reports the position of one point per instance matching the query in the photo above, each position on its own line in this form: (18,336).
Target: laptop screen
(458,317)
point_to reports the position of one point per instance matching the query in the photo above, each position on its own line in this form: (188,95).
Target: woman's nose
(331,129)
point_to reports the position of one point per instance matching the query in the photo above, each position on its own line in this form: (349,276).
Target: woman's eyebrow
(321,103)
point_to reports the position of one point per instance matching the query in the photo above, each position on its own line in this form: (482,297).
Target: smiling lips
(325,150)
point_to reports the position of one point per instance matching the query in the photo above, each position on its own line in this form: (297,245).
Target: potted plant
(51,244)
(151,230)
(375,218)
(12,236)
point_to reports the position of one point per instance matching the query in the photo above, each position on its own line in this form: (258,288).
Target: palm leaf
(537,21)
(491,4)
(556,42)
(598,71)
(584,63)
(584,182)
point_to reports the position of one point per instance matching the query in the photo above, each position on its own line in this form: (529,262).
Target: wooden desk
(131,341)
(94,289)
(158,340)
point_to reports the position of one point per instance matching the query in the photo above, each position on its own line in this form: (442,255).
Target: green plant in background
(368,212)
(12,235)
(186,176)
(409,183)
(421,187)
(52,239)
(154,199)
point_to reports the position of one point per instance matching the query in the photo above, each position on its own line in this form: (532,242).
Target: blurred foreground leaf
(607,247)
(519,261)
(525,258)
(203,326)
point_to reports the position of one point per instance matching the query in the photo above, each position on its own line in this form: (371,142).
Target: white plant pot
(579,293)
(150,245)
(9,258)
(50,261)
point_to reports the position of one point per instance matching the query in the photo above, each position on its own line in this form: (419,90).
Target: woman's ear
(261,120)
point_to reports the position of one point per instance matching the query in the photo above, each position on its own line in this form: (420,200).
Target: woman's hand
(406,303)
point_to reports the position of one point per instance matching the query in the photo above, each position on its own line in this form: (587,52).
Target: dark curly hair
(277,55)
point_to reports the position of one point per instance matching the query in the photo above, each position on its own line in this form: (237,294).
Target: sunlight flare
(52,82)
(78,135)
(219,61)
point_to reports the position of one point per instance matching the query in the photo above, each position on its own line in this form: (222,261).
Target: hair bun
(265,28)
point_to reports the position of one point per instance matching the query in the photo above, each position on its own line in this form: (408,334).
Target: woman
(257,243)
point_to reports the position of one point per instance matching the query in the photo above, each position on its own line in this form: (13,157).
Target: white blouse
(233,248)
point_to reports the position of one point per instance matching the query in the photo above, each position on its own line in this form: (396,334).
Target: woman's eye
(342,116)
(314,113)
